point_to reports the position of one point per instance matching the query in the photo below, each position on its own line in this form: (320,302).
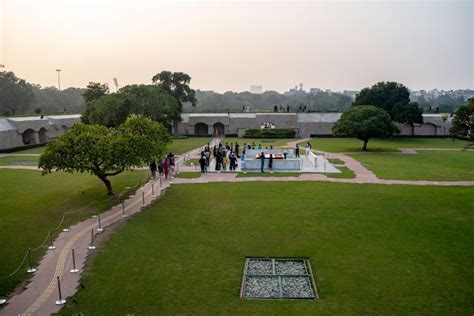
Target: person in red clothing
(166,167)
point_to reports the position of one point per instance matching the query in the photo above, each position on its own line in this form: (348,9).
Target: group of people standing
(307,150)
(164,167)
(224,155)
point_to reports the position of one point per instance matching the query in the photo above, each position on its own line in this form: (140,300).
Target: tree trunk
(364,148)
(108,185)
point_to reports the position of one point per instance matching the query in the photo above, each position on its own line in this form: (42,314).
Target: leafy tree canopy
(148,100)
(94,91)
(392,97)
(463,121)
(14,92)
(176,84)
(365,122)
(407,113)
(106,152)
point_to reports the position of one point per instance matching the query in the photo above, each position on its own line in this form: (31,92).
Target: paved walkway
(41,292)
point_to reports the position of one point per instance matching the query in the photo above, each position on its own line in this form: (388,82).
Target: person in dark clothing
(262,161)
(297,151)
(237,149)
(270,163)
(160,167)
(153,168)
(233,161)
(218,161)
(202,163)
(214,152)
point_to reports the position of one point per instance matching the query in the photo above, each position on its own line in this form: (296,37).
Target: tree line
(376,109)
(18,97)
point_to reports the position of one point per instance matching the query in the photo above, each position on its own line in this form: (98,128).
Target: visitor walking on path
(160,168)
(233,161)
(202,163)
(308,149)
(262,161)
(166,168)
(153,169)
(297,151)
(270,163)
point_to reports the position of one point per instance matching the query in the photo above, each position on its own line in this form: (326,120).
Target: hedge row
(270,133)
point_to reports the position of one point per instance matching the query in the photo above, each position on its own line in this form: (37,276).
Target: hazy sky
(231,45)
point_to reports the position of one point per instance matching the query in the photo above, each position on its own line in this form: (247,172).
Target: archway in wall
(219,130)
(29,137)
(428,129)
(43,135)
(201,129)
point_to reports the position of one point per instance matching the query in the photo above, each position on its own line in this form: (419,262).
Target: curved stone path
(41,293)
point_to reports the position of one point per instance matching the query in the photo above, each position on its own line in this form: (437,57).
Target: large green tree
(148,100)
(392,97)
(176,84)
(16,95)
(365,122)
(463,121)
(94,91)
(106,152)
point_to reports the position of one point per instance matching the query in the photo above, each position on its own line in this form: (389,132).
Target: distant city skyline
(230,46)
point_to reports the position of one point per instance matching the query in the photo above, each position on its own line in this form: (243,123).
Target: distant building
(27,131)
(256,89)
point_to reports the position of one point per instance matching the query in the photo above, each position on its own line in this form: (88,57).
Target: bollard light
(51,246)
(31,269)
(91,245)
(123,210)
(152,190)
(61,301)
(74,270)
(100,229)
(65,229)
(143,198)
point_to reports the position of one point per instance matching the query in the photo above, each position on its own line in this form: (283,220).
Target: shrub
(270,133)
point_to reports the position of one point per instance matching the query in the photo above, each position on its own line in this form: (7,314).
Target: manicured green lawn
(265,142)
(374,249)
(19,160)
(37,150)
(180,146)
(336,161)
(267,174)
(425,165)
(346,173)
(334,144)
(188,175)
(30,204)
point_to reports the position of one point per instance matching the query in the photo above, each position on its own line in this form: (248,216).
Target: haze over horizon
(232,45)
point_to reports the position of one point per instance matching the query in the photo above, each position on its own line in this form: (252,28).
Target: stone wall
(27,131)
(307,124)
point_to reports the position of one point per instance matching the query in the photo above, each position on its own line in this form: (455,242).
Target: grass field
(180,146)
(30,204)
(334,144)
(19,160)
(373,248)
(425,165)
(37,150)
(346,173)
(188,175)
